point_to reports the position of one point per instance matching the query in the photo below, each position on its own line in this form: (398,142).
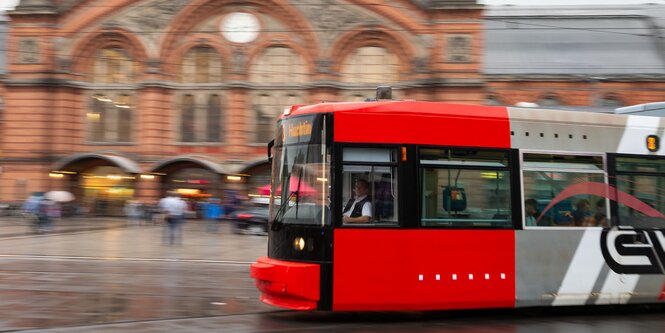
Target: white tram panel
(555,130)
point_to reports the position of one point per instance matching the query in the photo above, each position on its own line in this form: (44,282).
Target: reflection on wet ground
(47,293)
(125,274)
(125,279)
(609,320)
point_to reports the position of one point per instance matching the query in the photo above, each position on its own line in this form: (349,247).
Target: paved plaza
(115,238)
(101,271)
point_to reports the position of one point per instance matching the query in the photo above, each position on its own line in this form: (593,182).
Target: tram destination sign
(300,129)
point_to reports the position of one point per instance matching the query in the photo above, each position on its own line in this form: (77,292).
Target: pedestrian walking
(174,208)
(133,211)
(213,212)
(47,211)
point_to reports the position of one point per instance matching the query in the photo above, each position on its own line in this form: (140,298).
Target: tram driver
(359,208)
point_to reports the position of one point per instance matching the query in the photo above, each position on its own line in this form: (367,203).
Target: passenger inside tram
(531,211)
(600,215)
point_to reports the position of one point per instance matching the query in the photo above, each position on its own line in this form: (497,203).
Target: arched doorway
(195,178)
(259,173)
(101,183)
(105,190)
(193,183)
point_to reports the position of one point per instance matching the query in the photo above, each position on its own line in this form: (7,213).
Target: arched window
(276,67)
(279,64)
(610,102)
(371,65)
(110,111)
(96,119)
(113,65)
(214,116)
(201,64)
(124,114)
(264,116)
(550,101)
(200,102)
(187,119)
(110,117)
(493,101)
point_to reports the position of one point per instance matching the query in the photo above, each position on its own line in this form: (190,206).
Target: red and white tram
(470,207)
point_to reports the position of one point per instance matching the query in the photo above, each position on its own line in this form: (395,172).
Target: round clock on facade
(240,27)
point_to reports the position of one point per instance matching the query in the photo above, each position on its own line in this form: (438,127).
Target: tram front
(296,274)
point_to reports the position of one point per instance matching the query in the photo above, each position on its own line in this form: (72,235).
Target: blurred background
(108,106)
(126,100)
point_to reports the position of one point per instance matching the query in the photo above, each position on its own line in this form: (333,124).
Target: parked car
(251,219)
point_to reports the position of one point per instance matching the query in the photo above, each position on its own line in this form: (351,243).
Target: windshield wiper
(277,222)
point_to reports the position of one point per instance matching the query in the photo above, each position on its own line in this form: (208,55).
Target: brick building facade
(124,98)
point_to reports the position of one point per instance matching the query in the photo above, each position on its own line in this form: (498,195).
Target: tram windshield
(301,173)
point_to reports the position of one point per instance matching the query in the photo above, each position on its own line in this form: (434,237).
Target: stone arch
(174,59)
(397,14)
(550,99)
(372,36)
(611,100)
(201,9)
(281,41)
(171,167)
(79,162)
(200,161)
(86,48)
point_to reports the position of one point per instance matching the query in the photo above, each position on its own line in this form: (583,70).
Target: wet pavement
(21,226)
(124,274)
(125,279)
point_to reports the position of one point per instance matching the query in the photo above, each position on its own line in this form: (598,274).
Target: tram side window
(465,188)
(369,186)
(644,181)
(556,191)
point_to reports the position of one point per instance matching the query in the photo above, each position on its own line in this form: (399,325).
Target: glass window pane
(278,64)
(640,164)
(465,198)
(540,187)
(124,106)
(201,64)
(97,117)
(187,119)
(369,155)
(561,162)
(650,191)
(214,119)
(371,64)
(435,156)
(113,65)
(369,195)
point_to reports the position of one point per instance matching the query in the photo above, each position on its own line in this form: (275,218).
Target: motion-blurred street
(102,271)
(101,275)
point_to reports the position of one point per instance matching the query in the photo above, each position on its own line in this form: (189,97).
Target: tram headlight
(299,243)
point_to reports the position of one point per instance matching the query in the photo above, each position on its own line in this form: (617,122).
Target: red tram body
(428,249)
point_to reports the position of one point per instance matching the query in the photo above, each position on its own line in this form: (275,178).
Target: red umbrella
(264,190)
(305,189)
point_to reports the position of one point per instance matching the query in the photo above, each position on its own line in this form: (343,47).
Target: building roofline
(570,10)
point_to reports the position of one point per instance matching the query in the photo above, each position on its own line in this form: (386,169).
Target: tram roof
(422,108)
(397,107)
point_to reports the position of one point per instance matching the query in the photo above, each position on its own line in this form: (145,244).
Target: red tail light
(245,216)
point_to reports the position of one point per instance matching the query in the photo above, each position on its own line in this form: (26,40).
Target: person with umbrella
(49,208)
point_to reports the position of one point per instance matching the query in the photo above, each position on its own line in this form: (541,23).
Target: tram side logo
(630,251)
